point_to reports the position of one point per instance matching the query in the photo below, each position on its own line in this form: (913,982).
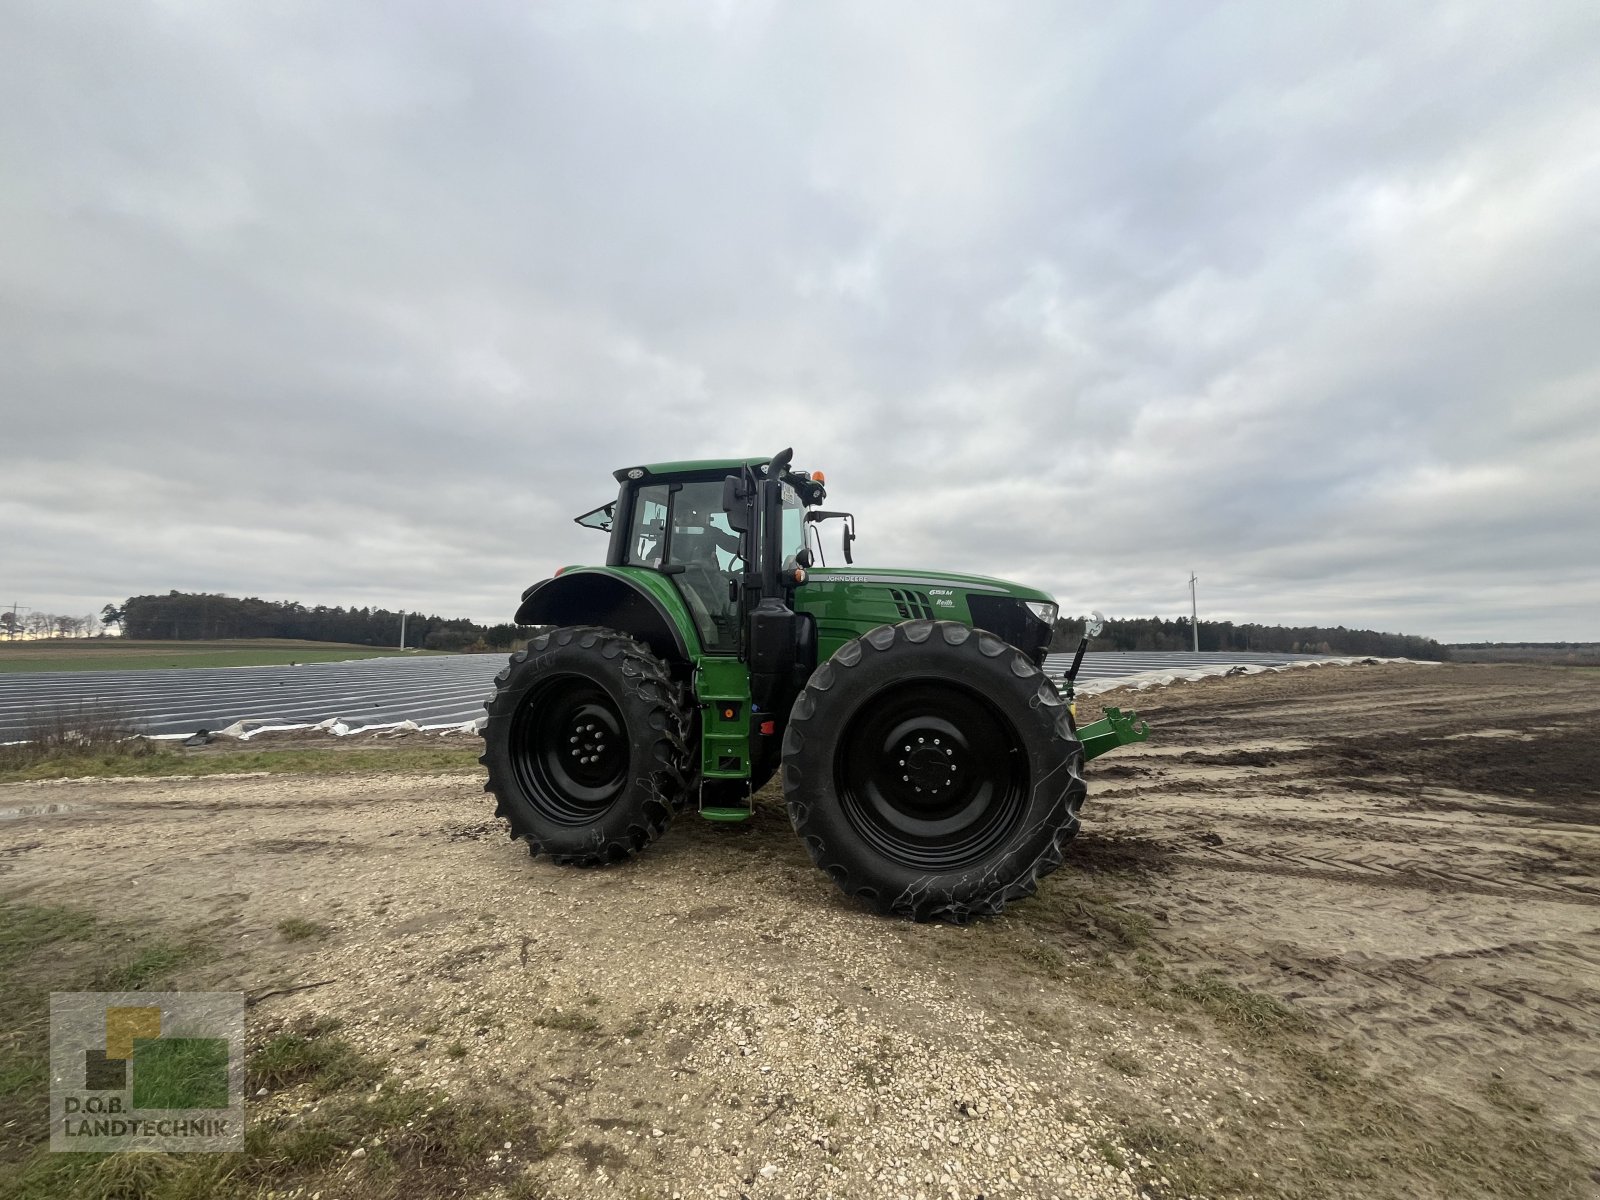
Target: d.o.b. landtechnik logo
(146,1071)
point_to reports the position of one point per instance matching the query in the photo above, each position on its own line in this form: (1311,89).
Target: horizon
(1178,618)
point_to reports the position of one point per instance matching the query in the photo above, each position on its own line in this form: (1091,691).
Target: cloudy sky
(361,303)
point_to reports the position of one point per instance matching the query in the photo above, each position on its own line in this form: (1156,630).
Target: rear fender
(656,615)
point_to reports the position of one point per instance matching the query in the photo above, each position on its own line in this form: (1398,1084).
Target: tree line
(196,616)
(47,625)
(206,616)
(1158,633)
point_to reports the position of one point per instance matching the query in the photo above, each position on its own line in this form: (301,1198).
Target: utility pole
(402,629)
(1194,612)
(13,627)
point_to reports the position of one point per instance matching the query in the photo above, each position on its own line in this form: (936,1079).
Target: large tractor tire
(932,771)
(585,745)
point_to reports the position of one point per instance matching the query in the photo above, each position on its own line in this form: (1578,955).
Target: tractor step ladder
(724,755)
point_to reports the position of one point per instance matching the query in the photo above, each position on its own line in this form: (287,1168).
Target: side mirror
(736,503)
(1097,622)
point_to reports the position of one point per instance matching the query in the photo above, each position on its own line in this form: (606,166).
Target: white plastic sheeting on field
(436,693)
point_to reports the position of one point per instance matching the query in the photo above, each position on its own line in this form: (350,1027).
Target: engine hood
(926,581)
(848,601)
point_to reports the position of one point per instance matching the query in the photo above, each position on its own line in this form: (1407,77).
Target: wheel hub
(930,766)
(569,749)
(931,775)
(592,745)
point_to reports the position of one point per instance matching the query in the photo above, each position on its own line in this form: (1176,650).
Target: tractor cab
(726,532)
(680,530)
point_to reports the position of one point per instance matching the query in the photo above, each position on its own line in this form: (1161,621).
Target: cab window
(648,528)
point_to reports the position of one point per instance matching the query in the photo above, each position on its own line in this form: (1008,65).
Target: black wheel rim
(931,775)
(569,749)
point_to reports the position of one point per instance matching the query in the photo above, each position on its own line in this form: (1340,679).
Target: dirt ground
(1332,932)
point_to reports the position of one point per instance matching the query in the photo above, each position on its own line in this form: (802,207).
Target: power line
(13,627)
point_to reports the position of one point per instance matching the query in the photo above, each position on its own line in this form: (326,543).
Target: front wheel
(585,745)
(933,771)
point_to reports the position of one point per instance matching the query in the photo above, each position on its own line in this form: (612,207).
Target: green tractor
(929,766)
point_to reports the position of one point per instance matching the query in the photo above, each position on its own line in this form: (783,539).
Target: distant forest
(1572,654)
(189,616)
(192,616)
(1158,633)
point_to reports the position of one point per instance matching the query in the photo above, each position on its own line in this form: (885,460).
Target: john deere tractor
(928,764)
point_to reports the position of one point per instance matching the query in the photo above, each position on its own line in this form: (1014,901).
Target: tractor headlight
(1045,612)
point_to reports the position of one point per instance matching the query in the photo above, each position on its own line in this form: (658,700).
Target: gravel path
(713,1016)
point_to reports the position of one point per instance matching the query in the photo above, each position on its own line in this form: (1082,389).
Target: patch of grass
(46,948)
(27,929)
(1125,1062)
(415,1143)
(1363,1137)
(567,1020)
(82,730)
(456,1050)
(1254,1013)
(117,654)
(1109,921)
(311,1054)
(159,760)
(152,960)
(42,948)
(1153,1138)
(121,1177)
(1149,986)
(1326,1129)
(1046,959)
(23,762)
(872,1072)
(1507,1097)
(1087,913)
(1110,1152)
(298,929)
(1327,1126)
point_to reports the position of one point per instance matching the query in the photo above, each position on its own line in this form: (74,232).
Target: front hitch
(1114,729)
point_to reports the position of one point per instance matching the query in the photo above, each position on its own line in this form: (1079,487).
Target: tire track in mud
(1372,874)
(1412,856)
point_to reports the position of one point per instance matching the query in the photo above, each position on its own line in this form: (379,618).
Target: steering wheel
(728,543)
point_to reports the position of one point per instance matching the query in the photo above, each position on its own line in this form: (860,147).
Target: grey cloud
(360,305)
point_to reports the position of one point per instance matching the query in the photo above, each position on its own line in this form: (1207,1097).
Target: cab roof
(690,466)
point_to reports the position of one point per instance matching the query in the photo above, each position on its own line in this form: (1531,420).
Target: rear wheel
(585,745)
(933,771)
